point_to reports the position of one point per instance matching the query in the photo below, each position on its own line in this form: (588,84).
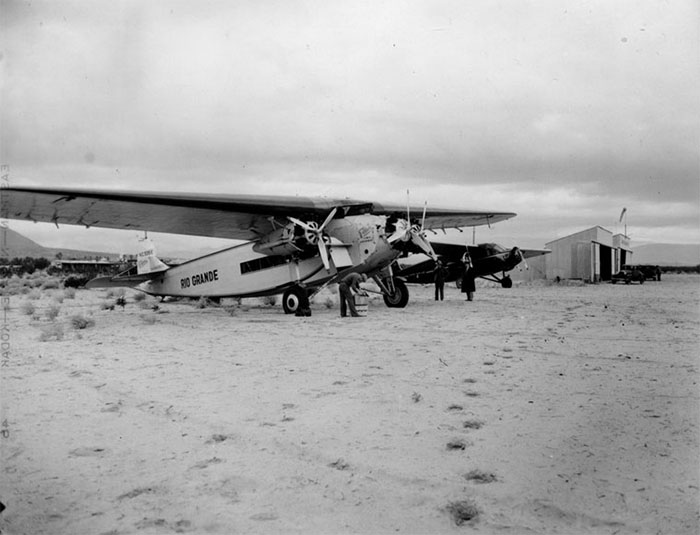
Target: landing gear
(291,298)
(396,295)
(506,282)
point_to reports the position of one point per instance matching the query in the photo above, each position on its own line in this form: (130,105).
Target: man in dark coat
(468,286)
(439,274)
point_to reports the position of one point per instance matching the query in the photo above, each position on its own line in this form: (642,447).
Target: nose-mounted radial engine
(298,238)
(409,237)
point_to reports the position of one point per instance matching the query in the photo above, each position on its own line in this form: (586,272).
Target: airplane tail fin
(146,259)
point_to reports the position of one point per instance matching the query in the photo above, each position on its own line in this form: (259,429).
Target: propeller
(406,232)
(313,234)
(516,253)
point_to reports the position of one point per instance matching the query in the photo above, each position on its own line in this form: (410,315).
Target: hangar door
(606,262)
(601,262)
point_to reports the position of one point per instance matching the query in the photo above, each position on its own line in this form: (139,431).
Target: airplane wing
(242,217)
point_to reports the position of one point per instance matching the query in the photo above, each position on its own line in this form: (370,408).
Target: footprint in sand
(458,445)
(138,492)
(479,476)
(203,464)
(88,451)
(462,511)
(473,424)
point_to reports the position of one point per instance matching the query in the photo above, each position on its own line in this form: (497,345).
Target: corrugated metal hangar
(591,255)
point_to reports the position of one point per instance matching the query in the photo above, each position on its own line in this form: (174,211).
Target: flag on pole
(622,214)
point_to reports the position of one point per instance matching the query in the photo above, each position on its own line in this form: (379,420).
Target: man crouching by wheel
(348,287)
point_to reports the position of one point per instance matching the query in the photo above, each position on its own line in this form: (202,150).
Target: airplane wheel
(507,282)
(291,300)
(399,299)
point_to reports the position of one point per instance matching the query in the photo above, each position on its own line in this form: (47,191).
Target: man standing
(439,274)
(468,286)
(348,287)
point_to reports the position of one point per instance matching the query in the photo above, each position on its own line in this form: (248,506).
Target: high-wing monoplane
(490,261)
(288,241)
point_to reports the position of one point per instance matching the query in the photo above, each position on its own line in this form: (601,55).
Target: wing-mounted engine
(298,238)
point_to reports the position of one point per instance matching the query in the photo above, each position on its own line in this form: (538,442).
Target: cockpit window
(493,248)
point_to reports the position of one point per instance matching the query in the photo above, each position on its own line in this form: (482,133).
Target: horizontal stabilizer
(112,282)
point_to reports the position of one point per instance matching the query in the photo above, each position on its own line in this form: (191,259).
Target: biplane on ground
(291,244)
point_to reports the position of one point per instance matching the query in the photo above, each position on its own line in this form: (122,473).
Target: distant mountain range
(16,245)
(667,254)
(662,254)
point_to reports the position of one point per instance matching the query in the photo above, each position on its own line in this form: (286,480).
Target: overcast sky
(564,112)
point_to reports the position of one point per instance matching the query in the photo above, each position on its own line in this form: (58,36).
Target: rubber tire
(400,297)
(507,282)
(291,300)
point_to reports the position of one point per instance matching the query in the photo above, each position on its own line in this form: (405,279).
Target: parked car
(628,274)
(651,273)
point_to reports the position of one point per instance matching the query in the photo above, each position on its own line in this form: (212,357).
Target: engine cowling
(282,241)
(291,239)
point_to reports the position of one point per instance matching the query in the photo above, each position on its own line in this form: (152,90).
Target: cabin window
(264,262)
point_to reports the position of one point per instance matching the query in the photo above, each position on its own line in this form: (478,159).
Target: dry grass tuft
(78,321)
(148,319)
(269,300)
(27,308)
(53,331)
(52,312)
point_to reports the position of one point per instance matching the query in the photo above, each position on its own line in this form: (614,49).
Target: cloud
(558,105)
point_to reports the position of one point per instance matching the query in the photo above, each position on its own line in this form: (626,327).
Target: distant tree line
(20,266)
(681,269)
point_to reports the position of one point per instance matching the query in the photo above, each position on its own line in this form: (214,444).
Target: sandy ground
(540,409)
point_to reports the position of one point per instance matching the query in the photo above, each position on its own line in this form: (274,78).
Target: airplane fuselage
(252,269)
(241,272)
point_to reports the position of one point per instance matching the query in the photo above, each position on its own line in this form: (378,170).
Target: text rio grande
(200,278)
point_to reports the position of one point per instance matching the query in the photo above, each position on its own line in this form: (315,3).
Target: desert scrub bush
(27,308)
(231,310)
(147,305)
(69,293)
(147,319)
(204,302)
(53,331)
(50,284)
(107,306)
(117,292)
(139,296)
(120,301)
(52,311)
(75,281)
(78,321)
(34,295)
(269,300)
